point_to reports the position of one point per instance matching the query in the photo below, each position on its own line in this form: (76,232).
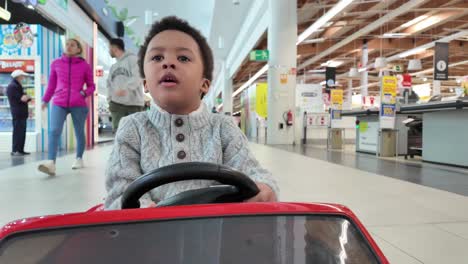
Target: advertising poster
(388,102)
(309,98)
(368,132)
(262,100)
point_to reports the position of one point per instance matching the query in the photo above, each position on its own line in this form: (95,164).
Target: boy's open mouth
(168,80)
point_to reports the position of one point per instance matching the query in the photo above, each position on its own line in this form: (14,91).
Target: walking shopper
(124,85)
(68,74)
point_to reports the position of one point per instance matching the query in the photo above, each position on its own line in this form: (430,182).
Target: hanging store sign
(337,103)
(388,100)
(407,82)
(330,77)
(441,61)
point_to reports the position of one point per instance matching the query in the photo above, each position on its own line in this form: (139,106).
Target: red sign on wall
(11,65)
(99,72)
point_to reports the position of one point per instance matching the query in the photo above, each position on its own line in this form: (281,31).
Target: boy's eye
(183,59)
(157,58)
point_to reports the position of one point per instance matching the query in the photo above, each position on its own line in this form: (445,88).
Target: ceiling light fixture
(310,41)
(4,14)
(414,21)
(353,72)
(332,63)
(394,35)
(323,20)
(414,65)
(411,52)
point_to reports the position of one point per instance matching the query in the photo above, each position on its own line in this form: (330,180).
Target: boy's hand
(266,194)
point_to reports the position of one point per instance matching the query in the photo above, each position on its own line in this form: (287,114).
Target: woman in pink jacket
(68,74)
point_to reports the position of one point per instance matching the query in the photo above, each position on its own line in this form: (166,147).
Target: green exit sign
(259,55)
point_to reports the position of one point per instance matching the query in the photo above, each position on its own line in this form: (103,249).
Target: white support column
(436,87)
(349,95)
(282,36)
(364,74)
(227,91)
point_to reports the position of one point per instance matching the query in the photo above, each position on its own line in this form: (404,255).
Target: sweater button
(181,154)
(180,137)
(179,122)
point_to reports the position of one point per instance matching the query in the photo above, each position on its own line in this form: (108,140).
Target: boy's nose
(167,65)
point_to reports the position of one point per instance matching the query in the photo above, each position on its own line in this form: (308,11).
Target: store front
(28,42)
(104,62)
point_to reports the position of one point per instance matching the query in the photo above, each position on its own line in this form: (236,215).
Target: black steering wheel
(236,186)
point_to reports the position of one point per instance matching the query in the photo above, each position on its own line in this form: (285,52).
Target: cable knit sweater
(149,140)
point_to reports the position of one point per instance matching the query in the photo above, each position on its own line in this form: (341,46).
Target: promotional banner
(388,102)
(262,99)
(441,61)
(337,103)
(337,98)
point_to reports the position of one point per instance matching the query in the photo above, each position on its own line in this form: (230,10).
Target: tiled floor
(445,178)
(412,223)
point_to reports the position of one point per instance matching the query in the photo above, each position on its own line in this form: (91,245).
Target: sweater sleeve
(236,154)
(123,166)
(13,94)
(89,80)
(52,84)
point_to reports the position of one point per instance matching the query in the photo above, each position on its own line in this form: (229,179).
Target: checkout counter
(444,131)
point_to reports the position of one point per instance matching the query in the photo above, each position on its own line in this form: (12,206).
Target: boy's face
(173,70)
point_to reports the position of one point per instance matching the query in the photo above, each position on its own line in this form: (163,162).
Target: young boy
(176,64)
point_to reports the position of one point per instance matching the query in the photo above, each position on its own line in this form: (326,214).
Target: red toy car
(186,229)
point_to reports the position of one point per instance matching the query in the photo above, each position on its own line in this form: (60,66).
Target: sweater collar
(162,119)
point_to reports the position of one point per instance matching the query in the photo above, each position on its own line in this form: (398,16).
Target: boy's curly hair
(175,23)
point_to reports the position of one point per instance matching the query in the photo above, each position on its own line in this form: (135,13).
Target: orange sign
(283,78)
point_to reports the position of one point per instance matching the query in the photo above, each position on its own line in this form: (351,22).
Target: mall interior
(361,103)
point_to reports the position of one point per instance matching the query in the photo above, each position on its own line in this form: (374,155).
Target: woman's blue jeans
(57,118)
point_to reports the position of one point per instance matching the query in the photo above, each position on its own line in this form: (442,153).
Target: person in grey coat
(124,86)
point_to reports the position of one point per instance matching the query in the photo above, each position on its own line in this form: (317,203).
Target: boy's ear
(145,87)
(205,86)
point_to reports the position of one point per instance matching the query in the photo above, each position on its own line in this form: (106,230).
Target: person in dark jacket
(19,111)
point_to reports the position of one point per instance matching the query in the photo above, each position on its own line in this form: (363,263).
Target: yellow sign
(262,99)
(389,85)
(337,97)
(389,89)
